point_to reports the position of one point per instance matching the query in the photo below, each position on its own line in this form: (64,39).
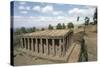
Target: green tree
(42,29)
(17,31)
(70,25)
(29,30)
(87,19)
(50,27)
(59,26)
(78,18)
(63,26)
(23,30)
(95,16)
(33,29)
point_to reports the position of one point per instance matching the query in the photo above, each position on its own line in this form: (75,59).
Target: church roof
(49,33)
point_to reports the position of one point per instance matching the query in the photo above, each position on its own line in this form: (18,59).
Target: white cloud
(23,12)
(24,7)
(61,17)
(77,11)
(22,3)
(27,8)
(50,9)
(81,12)
(57,12)
(47,9)
(21,7)
(37,8)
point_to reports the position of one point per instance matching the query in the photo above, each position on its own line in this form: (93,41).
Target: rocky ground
(21,58)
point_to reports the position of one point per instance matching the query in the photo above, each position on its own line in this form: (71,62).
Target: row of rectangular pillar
(38,46)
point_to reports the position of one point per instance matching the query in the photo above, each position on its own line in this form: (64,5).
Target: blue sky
(39,14)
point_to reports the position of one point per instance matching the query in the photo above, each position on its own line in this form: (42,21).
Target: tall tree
(95,16)
(70,25)
(17,31)
(63,26)
(87,19)
(78,18)
(50,27)
(42,29)
(59,26)
(23,30)
(33,29)
(29,30)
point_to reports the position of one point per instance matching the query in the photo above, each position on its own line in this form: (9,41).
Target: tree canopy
(63,26)
(24,30)
(95,16)
(70,25)
(33,29)
(50,27)
(59,26)
(78,18)
(87,19)
(42,29)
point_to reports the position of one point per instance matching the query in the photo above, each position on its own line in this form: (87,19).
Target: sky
(40,14)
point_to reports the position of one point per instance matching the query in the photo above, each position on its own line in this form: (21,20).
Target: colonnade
(47,46)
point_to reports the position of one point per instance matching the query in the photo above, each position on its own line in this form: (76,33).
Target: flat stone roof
(48,33)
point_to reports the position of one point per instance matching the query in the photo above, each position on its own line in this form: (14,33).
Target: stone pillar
(53,51)
(21,43)
(32,45)
(25,43)
(64,47)
(41,48)
(50,48)
(47,46)
(60,43)
(28,44)
(36,49)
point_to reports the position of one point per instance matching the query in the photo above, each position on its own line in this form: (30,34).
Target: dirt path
(91,42)
(74,56)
